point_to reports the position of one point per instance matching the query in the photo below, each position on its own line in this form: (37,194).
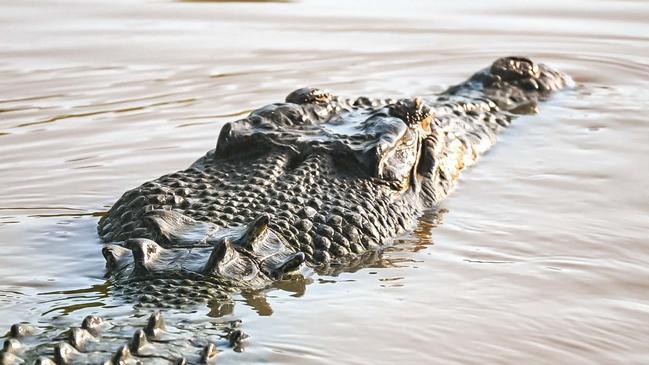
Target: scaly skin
(317,179)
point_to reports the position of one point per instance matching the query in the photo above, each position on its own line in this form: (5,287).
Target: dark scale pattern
(175,292)
(325,220)
(309,199)
(223,194)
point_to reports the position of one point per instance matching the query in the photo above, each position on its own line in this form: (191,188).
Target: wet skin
(317,180)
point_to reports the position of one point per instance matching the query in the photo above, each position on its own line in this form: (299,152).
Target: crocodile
(317,180)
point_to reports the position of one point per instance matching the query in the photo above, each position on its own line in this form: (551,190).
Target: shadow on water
(79,298)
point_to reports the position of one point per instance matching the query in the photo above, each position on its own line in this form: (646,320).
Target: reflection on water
(65,302)
(542,254)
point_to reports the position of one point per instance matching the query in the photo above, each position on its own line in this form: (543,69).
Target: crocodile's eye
(399,131)
(391,149)
(397,160)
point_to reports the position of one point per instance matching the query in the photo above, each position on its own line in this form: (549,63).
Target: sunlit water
(542,255)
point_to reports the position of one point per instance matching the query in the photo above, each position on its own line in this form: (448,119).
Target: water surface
(541,254)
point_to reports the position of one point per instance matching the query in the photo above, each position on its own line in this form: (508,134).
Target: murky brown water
(542,256)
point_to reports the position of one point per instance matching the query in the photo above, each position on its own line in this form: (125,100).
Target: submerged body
(317,179)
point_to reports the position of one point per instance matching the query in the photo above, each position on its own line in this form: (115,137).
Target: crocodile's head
(316,178)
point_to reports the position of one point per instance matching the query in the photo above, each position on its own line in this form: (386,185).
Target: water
(542,253)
